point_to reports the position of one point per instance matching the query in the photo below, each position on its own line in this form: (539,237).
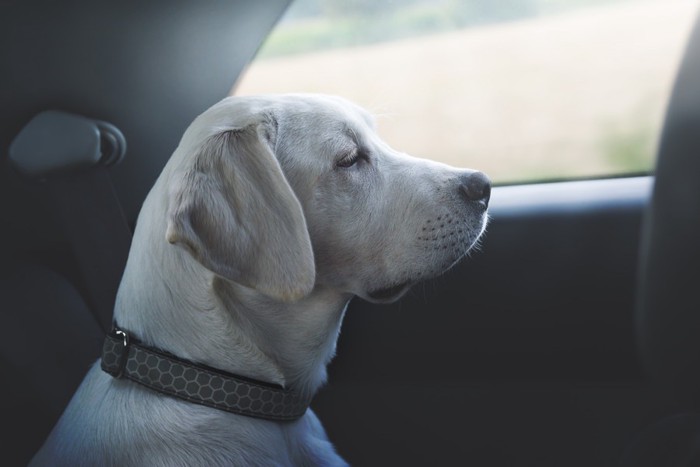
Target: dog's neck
(198,316)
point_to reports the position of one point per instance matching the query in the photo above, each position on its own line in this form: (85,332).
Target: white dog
(271,215)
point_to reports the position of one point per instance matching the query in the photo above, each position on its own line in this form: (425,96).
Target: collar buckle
(115,352)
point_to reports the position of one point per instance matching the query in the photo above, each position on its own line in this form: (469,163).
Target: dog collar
(125,357)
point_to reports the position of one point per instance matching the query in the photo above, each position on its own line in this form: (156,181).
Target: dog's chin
(394,291)
(388,294)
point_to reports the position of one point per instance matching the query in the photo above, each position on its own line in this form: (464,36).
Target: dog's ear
(234,210)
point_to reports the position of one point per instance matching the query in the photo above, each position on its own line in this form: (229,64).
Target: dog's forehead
(323,112)
(323,122)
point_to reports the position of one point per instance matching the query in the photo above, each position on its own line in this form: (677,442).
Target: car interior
(572,338)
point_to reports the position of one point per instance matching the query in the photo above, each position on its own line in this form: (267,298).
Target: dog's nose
(476,187)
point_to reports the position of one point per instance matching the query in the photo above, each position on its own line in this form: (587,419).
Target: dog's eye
(348,160)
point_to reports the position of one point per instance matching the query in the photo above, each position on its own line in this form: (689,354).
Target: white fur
(246,253)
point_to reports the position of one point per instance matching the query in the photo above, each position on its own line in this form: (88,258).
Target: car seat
(668,306)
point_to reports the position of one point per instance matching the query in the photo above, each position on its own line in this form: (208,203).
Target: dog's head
(283,193)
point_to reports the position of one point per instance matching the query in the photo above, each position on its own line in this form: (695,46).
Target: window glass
(521,89)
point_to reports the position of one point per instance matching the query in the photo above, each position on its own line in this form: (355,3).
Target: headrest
(147,67)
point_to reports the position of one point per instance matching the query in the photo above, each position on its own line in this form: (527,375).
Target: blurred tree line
(320,24)
(464,11)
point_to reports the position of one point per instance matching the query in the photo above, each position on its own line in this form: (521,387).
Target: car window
(525,90)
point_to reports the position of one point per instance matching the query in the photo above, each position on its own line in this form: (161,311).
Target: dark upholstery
(49,341)
(672,442)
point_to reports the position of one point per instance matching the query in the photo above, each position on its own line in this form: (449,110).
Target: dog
(270,216)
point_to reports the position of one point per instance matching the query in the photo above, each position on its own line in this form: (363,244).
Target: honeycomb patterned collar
(125,357)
